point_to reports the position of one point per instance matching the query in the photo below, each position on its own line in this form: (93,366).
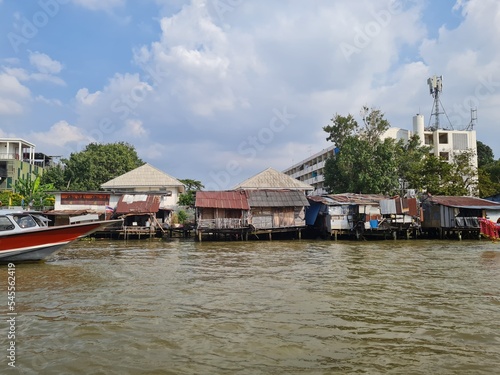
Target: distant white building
(311,170)
(445,144)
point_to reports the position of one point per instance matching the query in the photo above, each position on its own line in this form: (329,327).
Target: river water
(280,307)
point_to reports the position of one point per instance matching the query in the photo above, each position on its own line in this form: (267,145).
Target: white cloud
(51,102)
(59,135)
(100,4)
(84,97)
(12,95)
(213,78)
(44,64)
(135,128)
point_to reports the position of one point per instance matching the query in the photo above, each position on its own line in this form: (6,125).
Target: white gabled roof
(273,179)
(142,177)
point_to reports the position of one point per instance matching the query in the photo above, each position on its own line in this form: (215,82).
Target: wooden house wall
(220,218)
(277,217)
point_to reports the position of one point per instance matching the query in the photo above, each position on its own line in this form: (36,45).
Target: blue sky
(219,90)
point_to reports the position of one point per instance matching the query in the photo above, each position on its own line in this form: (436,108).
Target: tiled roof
(277,198)
(146,176)
(222,199)
(273,179)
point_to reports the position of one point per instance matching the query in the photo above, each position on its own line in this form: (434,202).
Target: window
(428,139)
(5,224)
(444,156)
(443,138)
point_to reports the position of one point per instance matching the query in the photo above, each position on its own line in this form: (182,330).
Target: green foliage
(340,129)
(375,125)
(361,167)
(484,154)
(31,189)
(10,198)
(182,216)
(487,187)
(489,179)
(189,197)
(368,164)
(95,165)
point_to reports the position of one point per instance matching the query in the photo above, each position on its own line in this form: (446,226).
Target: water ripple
(291,307)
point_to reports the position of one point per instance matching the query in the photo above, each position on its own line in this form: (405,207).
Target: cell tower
(436,88)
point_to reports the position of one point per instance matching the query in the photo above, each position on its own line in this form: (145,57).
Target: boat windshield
(25,221)
(5,224)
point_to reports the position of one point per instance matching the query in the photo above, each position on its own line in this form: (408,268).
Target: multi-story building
(18,160)
(445,144)
(311,170)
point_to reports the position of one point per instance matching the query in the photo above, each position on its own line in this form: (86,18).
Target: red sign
(87,199)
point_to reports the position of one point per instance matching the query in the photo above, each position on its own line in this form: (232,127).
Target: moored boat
(25,236)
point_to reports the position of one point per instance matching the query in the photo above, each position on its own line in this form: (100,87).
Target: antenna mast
(435,88)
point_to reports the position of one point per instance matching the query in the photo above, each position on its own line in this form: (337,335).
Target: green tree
(340,129)
(189,197)
(484,154)
(361,167)
(375,125)
(486,186)
(95,165)
(54,175)
(31,189)
(366,163)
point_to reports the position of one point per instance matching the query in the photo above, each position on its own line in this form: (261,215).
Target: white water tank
(418,127)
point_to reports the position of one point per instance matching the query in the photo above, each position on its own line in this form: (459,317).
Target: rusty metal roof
(236,200)
(348,198)
(138,203)
(463,202)
(277,198)
(68,212)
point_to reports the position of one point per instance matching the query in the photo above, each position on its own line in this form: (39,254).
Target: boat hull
(38,244)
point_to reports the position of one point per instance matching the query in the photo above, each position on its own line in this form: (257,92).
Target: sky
(220,90)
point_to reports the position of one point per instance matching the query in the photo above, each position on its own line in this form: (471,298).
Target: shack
(141,216)
(346,215)
(401,215)
(276,211)
(455,217)
(222,214)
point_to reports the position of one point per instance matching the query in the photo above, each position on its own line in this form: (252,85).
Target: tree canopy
(189,197)
(366,162)
(96,164)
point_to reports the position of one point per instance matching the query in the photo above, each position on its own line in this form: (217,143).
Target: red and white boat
(25,235)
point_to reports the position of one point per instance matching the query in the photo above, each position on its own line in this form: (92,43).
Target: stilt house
(277,203)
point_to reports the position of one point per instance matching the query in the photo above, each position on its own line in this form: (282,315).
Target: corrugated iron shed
(463,202)
(277,198)
(138,204)
(236,200)
(351,198)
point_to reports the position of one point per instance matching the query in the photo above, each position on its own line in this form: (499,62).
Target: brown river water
(280,307)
